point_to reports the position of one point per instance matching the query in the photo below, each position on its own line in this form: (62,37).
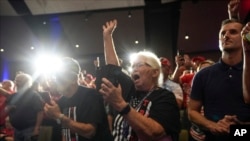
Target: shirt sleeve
(166,112)
(197,87)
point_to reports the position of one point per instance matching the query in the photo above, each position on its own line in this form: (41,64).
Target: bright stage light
(132,57)
(46,64)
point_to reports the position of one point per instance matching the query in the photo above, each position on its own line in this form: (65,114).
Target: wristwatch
(125,110)
(59,119)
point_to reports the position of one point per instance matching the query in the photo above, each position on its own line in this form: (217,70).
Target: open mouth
(135,76)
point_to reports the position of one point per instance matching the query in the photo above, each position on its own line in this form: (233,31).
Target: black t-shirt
(25,108)
(159,105)
(86,106)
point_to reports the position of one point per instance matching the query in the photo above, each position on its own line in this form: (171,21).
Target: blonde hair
(210,62)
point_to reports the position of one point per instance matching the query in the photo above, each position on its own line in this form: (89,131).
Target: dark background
(159,26)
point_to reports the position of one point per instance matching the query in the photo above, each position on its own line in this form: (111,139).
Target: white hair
(153,61)
(26,81)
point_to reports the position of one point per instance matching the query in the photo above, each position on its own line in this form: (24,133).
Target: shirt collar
(238,66)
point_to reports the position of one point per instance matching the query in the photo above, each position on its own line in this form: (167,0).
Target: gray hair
(153,61)
(26,81)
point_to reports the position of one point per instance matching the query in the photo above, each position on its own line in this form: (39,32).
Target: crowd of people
(154,102)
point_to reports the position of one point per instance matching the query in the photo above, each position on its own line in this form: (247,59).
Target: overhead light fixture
(86,16)
(129,14)
(2,50)
(86,19)
(186,36)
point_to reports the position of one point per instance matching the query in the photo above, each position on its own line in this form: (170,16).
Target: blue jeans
(24,135)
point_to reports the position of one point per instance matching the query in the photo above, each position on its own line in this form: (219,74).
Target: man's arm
(246,64)
(233,9)
(39,120)
(180,67)
(109,47)
(194,114)
(84,129)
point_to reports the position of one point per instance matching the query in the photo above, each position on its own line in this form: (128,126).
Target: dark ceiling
(58,26)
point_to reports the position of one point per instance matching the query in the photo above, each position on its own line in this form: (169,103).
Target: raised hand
(179,60)
(109,27)
(233,9)
(245,42)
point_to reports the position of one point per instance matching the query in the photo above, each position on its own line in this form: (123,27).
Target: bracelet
(125,110)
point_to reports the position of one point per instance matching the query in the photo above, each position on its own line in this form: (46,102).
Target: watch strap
(125,110)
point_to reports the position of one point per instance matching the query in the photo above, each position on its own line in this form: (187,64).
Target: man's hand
(233,9)
(245,42)
(179,60)
(52,110)
(223,125)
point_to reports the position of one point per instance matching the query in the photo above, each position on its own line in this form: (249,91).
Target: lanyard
(147,95)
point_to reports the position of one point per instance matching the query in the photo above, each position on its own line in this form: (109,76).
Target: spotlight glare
(132,57)
(45,64)
(130,69)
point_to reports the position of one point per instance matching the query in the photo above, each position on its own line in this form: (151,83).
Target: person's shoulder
(172,83)
(87,92)
(163,92)
(85,89)
(208,69)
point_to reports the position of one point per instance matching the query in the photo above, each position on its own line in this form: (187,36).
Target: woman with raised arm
(150,113)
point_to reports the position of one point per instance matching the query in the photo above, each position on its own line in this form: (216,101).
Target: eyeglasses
(138,65)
